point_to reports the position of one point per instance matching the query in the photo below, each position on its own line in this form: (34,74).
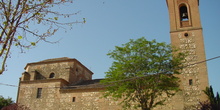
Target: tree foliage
(213,102)
(24,23)
(5,102)
(142,74)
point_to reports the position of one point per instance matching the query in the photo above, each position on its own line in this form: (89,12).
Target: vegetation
(8,104)
(24,23)
(142,74)
(213,102)
(5,102)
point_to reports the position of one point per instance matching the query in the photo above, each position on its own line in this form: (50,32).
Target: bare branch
(18,16)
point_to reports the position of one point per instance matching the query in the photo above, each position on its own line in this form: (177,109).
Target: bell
(184,15)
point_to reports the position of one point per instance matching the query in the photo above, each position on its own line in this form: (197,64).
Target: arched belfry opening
(184,15)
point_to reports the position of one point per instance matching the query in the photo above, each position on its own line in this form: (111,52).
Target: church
(66,84)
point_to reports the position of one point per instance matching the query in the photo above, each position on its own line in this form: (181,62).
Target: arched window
(52,75)
(184,15)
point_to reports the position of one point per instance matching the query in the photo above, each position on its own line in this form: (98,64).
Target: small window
(74,99)
(39,92)
(51,75)
(190,82)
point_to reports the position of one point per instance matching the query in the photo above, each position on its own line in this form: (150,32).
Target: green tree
(142,74)
(5,102)
(213,102)
(24,23)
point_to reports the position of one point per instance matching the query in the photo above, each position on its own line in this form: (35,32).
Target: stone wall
(53,98)
(86,100)
(70,70)
(60,69)
(49,99)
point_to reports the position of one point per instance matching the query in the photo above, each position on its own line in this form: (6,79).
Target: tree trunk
(145,108)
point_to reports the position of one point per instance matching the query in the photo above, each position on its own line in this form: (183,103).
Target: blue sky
(109,24)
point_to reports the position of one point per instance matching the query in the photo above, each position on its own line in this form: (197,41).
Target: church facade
(66,84)
(61,84)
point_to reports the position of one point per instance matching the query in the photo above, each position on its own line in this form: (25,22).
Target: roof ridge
(56,59)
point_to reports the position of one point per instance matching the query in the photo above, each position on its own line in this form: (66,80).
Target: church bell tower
(186,34)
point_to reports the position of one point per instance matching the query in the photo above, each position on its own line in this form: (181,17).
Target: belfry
(186,34)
